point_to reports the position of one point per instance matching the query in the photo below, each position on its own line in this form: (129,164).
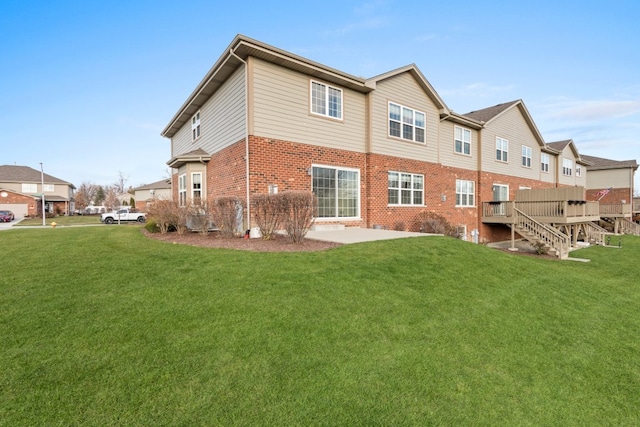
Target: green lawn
(100,326)
(62,220)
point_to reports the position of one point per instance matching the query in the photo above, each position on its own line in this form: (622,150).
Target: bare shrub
(227,213)
(399,226)
(432,222)
(267,210)
(298,213)
(199,217)
(165,213)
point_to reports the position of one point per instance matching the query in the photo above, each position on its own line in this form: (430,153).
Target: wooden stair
(541,234)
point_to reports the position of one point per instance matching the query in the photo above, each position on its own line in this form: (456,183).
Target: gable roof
(599,163)
(490,113)
(559,146)
(235,55)
(158,185)
(15,173)
(420,78)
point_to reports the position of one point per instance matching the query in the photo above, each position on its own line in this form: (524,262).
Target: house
(21,191)
(377,152)
(146,194)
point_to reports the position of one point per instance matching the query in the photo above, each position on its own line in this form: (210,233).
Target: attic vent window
(195,126)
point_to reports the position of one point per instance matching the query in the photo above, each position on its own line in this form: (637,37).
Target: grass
(61,220)
(100,326)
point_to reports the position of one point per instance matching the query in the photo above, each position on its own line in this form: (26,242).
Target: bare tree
(85,194)
(112,201)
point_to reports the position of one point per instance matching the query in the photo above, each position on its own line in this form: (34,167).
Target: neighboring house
(147,194)
(376,152)
(21,192)
(613,177)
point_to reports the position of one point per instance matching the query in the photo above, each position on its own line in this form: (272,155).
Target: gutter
(246,131)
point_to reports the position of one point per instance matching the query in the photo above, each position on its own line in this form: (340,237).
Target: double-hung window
(326,100)
(465,193)
(406,123)
(502,149)
(526,156)
(196,187)
(195,126)
(544,162)
(462,139)
(337,190)
(567,167)
(49,188)
(182,190)
(578,171)
(405,188)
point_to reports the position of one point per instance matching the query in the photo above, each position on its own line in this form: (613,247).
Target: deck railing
(549,235)
(629,227)
(615,209)
(561,210)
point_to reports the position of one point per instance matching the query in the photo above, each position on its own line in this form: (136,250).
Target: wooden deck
(549,212)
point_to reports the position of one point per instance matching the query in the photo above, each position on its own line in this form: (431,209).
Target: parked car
(6,216)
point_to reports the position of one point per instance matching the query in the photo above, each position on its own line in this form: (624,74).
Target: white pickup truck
(122,215)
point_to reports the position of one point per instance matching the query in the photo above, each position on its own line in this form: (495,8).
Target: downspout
(246,132)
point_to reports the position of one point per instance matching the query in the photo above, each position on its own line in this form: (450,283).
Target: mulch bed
(215,240)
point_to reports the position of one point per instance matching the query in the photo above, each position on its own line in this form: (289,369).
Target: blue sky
(87,86)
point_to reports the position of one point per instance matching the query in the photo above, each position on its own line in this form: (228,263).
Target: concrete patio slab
(359,235)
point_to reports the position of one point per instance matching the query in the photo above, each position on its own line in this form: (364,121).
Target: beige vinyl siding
(281,110)
(222,119)
(550,176)
(448,155)
(59,189)
(567,153)
(511,126)
(616,178)
(404,90)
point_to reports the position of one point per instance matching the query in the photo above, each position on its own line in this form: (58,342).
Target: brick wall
(21,199)
(616,195)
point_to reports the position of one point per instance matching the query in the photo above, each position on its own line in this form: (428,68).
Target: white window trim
(412,189)
(326,100)
(578,171)
(413,124)
(182,189)
(527,156)
(567,167)
(49,188)
(193,190)
(341,218)
(545,159)
(29,188)
(472,205)
(504,148)
(463,141)
(196,130)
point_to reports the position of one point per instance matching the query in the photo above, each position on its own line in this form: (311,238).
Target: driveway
(358,235)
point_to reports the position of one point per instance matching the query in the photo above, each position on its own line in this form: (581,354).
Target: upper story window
(578,171)
(405,188)
(29,188)
(567,167)
(49,188)
(465,193)
(544,162)
(406,123)
(326,100)
(462,140)
(195,126)
(526,156)
(182,190)
(502,149)
(196,187)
